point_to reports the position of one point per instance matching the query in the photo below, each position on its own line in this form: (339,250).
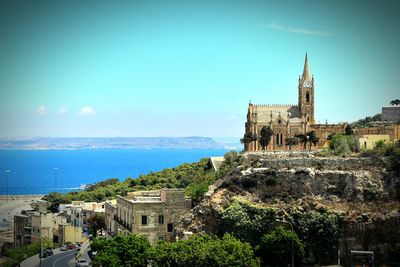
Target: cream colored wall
(369,141)
(43,223)
(73,234)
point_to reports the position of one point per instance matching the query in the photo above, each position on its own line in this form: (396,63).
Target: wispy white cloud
(62,110)
(280,27)
(87,111)
(41,110)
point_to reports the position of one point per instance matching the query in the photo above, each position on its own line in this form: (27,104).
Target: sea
(42,171)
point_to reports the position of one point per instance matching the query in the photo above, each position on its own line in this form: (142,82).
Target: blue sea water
(33,171)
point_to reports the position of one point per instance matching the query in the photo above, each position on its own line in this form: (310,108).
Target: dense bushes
(317,230)
(134,250)
(246,221)
(390,151)
(275,248)
(122,250)
(343,145)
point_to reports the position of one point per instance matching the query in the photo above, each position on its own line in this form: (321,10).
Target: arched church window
(281,139)
(308,97)
(277,139)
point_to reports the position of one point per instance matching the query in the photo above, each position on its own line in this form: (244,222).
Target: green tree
(204,251)
(343,145)
(96,223)
(248,138)
(291,141)
(306,138)
(349,130)
(265,136)
(275,248)
(395,102)
(246,221)
(122,250)
(319,232)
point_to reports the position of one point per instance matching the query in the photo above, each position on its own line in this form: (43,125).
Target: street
(59,260)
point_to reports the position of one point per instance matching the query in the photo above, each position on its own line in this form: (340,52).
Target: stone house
(153,214)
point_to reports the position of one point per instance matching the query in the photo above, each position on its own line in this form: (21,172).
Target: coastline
(3,198)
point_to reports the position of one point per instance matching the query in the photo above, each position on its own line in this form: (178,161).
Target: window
(308,97)
(161,219)
(170,227)
(279,139)
(144,220)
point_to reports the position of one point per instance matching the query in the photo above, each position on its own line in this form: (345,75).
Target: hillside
(333,203)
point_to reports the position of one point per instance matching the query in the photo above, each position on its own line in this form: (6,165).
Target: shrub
(275,248)
(204,251)
(246,221)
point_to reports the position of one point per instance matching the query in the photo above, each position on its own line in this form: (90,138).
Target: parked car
(46,253)
(63,248)
(82,262)
(71,246)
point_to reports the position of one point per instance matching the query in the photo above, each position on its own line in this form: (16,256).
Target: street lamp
(291,225)
(7,173)
(55,179)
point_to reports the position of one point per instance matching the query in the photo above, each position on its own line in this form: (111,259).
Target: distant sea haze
(44,171)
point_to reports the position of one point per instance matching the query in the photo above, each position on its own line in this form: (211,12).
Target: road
(59,260)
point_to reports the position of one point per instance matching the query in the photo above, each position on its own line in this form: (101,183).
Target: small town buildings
(153,214)
(78,212)
(34,226)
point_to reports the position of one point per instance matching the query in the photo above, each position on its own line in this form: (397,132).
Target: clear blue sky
(183,68)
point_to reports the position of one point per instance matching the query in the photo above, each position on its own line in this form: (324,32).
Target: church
(289,120)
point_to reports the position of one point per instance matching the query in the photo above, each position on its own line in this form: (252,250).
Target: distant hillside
(111,143)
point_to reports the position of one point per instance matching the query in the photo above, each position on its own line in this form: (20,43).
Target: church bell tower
(306,94)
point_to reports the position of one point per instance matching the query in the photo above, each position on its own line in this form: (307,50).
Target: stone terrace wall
(320,163)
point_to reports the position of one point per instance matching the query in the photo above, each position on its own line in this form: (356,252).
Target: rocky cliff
(359,190)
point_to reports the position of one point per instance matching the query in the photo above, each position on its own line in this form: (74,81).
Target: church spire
(306,72)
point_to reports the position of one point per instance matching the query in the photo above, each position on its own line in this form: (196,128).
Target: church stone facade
(288,120)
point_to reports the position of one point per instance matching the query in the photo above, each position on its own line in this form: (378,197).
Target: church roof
(306,70)
(266,113)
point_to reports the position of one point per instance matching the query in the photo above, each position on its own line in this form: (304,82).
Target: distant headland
(73,143)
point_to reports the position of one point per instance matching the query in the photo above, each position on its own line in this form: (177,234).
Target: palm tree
(395,102)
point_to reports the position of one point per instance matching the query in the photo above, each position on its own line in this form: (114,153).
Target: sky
(188,68)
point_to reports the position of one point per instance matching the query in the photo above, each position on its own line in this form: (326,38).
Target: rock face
(358,189)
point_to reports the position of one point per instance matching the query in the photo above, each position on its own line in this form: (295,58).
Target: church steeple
(306,72)
(306,94)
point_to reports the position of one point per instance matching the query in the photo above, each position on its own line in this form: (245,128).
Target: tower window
(308,97)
